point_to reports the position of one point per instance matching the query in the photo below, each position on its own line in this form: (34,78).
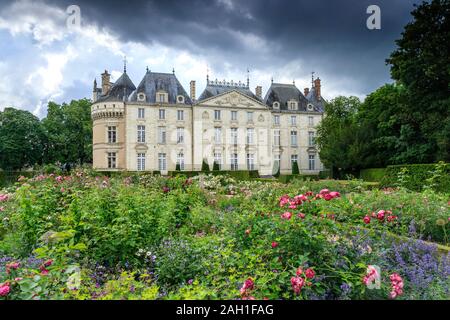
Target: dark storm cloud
(329,36)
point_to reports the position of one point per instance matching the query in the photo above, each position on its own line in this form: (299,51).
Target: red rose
(310,273)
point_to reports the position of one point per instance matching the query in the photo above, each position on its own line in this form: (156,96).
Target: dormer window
(276,105)
(292,105)
(310,107)
(161,97)
(141,97)
(180,99)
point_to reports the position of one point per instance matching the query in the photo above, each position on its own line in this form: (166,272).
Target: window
(218,135)
(249,116)
(311,121)
(312,162)
(180,160)
(292,105)
(141,134)
(180,115)
(180,135)
(277,161)
(310,107)
(294,138)
(250,134)
(217,115)
(141,161)
(233,115)
(112,160)
(311,139)
(293,120)
(276,120)
(112,134)
(162,135)
(250,161)
(276,105)
(180,99)
(218,159)
(277,138)
(141,97)
(294,158)
(141,113)
(234,135)
(162,162)
(234,161)
(162,114)
(161,97)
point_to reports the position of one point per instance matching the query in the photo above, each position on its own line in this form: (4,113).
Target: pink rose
(299,271)
(366,219)
(327,197)
(310,273)
(301,215)
(286,215)
(335,194)
(324,191)
(274,244)
(4,290)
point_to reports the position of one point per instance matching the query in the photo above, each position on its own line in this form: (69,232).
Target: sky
(44,58)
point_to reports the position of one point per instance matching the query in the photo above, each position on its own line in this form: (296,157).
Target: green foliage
(216,166)
(289,178)
(178,167)
(373,175)
(295,169)
(205,166)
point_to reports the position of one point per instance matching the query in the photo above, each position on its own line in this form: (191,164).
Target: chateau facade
(157,125)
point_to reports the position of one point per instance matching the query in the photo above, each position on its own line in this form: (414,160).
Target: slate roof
(283,93)
(154,81)
(215,88)
(121,89)
(312,97)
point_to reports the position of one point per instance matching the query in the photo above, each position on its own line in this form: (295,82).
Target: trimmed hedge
(372,175)
(240,175)
(325,174)
(416,176)
(10,177)
(289,178)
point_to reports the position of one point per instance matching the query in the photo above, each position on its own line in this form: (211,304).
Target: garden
(85,236)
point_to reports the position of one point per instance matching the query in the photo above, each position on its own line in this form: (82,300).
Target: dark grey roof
(282,93)
(154,81)
(215,88)
(123,87)
(312,98)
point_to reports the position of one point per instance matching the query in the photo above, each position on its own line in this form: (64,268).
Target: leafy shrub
(205,166)
(373,175)
(295,169)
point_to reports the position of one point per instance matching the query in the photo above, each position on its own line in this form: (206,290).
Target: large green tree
(68,130)
(421,64)
(21,139)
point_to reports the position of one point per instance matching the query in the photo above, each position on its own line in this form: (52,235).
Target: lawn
(211,237)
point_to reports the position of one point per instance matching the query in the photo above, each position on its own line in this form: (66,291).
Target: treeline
(401,123)
(64,136)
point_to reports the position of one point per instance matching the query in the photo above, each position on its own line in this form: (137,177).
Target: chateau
(157,125)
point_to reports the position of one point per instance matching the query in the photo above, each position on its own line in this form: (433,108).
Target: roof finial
(248,78)
(272,80)
(293,82)
(312,79)
(147,69)
(207,74)
(173,70)
(124,64)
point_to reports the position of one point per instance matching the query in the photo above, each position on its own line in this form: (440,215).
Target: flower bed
(213,237)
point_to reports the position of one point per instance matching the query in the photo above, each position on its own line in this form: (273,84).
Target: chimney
(306,92)
(317,85)
(106,82)
(258,92)
(192,84)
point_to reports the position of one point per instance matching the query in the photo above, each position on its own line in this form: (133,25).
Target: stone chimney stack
(192,85)
(317,85)
(258,92)
(306,92)
(106,82)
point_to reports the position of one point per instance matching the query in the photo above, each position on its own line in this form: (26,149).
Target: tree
(21,139)
(295,169)
(68,129)
(421,63)
(205,166)
(216,166)
(177,167)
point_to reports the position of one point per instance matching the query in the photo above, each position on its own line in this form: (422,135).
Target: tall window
(249,116)
(293,138)
(141,161)
(250,134)
(162,162)
(234,161)
(311,121)
(141,113)
(162,135)
(277,160)
(292,105)
(233,115)
(250,161)
(180,115)
(312,162)
(180,135)
(294,158)
(217,115)
(218,135)
(293,120)
(112,134)
(112,157)
(161,97)
(162,114)
(180,160)
(218,159)
(234,135)
(141,134)
(276,120)
(311,138)
(277,138)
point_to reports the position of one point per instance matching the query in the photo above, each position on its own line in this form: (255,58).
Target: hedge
(372,175)
(417,176)
(325,174)
(10,177)
(289,178)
